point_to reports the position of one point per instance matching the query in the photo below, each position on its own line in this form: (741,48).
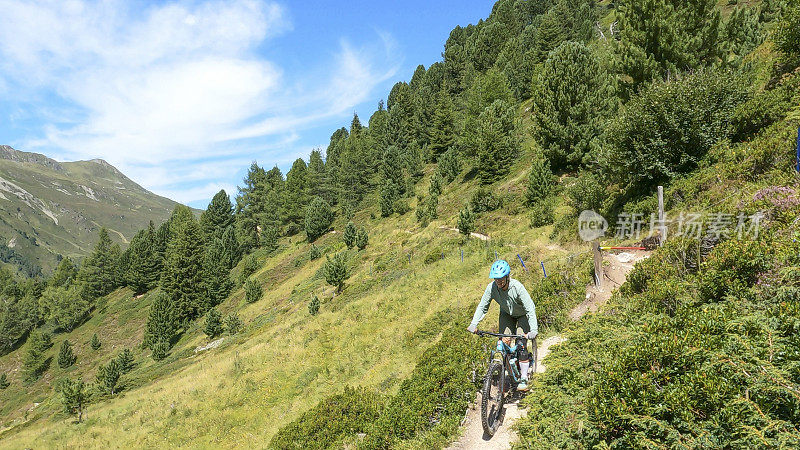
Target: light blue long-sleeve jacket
(515,302)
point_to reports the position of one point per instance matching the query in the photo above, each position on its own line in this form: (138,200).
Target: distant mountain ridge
(50,208)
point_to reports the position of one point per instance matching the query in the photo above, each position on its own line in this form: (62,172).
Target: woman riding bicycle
(516,310)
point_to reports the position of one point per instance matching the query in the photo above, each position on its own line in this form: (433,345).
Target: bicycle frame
(506,351)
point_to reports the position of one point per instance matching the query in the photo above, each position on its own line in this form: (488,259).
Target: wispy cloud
(162,91)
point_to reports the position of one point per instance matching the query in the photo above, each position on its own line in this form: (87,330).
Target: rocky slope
(50,208)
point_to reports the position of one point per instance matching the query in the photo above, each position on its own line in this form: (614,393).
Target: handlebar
(487,333)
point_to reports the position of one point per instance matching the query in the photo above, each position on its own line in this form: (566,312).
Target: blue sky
(181,96)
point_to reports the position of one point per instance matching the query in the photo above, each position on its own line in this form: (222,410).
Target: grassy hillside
(287,360)
(49,208)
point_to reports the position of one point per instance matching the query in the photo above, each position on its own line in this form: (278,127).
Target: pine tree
(99,274)
(231,251)
(65,307)
(125,361)
(95,342)
(217,278)
(65,274)
(74,396)
(319,218)
(213,325)
(108,376)
(217,217)
(335,270)
(449,166)
(497,140)
(540,181)
(349,235)
(314,253)
(253,291)
(160,328)
(145,264)
(388,196)
(571,98)
(66,357)
(313,306)
(232,323)
(413,163)
(402,125)
(660,38)
(182,279)
(362,239)
(466,221)
(34,363)
(4,381)
(297,195)
(318,181)
(443,129)
(259,204)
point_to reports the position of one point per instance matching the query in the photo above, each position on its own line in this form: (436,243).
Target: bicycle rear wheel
(492,397)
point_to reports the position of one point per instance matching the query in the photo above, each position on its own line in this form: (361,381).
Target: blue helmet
(500,268)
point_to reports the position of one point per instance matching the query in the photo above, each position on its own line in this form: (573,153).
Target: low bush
(331,421)
(484,201)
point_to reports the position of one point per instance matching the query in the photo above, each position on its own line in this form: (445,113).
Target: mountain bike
(502,377)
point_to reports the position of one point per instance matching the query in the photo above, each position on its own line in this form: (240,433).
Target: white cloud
(167,88)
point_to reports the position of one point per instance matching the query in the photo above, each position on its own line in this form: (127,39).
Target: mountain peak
(9,153)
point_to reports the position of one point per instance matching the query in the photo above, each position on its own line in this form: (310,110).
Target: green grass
(285,360)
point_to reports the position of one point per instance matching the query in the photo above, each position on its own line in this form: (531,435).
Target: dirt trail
(482,237)
(474,437)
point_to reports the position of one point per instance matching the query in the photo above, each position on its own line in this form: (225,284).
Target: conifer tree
(125,361)
(35,363)
(313,306)
(333,164)
(216,274)
(466,221)
(413,163)
(362,239)
(497,141)
(74,396)
(349,235)
(253,291)
(540,181)
(660,38)
(356,170)
(213,325)
(65,274)
(182,279)
(297,196)
(449,166)
(319,218)
(4,381)
(99,274)
(314,253)
(379,127)
(95,343)
(232,323)
(144,265)
(66,357)
(443,129)
(335,270)
(571,98)
(318,182)
(65,307)
(402,125)
(231,252)
(160,328)
(108,376)
(388,196)
(217,217)
(259,204)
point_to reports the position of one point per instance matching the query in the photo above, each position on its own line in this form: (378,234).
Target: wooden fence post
(598,264)
(663,227)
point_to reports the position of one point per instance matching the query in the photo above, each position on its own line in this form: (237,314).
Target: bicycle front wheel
(492,397)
